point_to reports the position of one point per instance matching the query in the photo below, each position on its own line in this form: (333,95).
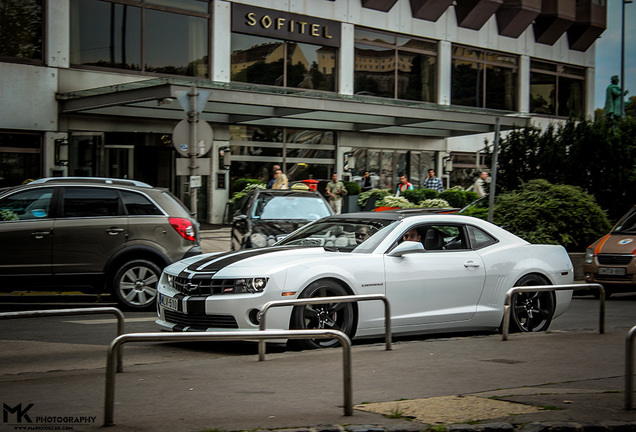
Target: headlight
(258,240)
(249,285)
(170,280)
(589,256)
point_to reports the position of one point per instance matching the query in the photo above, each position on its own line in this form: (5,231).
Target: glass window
(31,204)
(152,37)
(20,158)
(266,61)
(176,44)
(557,89)
(137,204)
(484,79)
(90,202)
(21,29)
(480,239)
(394,67)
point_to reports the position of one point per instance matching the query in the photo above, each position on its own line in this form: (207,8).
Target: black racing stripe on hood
(233,257)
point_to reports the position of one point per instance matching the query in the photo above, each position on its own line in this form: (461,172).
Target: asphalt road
(79,342)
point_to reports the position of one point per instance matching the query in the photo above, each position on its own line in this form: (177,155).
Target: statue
(613,99)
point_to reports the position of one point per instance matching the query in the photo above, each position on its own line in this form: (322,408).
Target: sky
(608,51)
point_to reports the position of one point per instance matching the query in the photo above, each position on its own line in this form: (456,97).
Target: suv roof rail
(96,180)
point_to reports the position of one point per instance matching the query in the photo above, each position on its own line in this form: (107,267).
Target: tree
(599,157)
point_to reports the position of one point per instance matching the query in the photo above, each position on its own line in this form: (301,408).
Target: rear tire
(532,311)
(135,284)
(330,316)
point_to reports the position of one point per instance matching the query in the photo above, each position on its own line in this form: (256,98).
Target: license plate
(614,271)
(169,302)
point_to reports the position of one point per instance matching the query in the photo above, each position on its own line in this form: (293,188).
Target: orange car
(610,260)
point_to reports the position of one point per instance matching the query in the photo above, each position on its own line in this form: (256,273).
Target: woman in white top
(281,182)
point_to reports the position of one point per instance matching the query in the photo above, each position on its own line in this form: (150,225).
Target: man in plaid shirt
(432,182)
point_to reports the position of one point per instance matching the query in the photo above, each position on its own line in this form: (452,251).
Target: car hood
(265,258)
(615,244)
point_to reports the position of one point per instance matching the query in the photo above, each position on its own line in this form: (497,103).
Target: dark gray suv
(92,235)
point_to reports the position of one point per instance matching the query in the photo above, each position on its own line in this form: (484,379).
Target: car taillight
(184,227)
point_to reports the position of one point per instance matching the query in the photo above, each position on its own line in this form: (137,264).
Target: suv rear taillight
(184,227)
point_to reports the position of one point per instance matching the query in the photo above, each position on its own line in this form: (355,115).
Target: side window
(31,204)
(137,204)
(90,202)
(479,238)
(444,237)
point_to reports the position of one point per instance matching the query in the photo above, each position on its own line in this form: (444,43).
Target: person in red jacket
(404,185)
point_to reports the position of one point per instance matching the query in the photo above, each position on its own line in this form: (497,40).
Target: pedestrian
(282,182)
(367,182)
(404,185)
(432,182)
(275,170)
(336,190)
(481,183)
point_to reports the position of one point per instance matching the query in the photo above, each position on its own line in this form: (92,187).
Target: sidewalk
(569,381)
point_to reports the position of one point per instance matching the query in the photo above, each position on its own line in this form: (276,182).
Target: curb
(609,426)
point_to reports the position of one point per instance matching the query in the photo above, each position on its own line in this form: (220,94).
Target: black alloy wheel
(532,311)
(329,316)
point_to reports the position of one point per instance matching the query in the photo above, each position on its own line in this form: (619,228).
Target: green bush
(458,197)
(377,193)
(393,201)
(242,183)
(434,203)
(353,188)
(417,195)
(541,212)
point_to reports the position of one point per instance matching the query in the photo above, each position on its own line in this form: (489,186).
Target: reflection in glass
(274,62)
(374,71)
(21,29)
(190,5)
(105,34)
(180,51)
(542,94)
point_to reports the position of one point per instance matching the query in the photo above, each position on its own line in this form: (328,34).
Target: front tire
(330,316)
(135,284)
(532,311)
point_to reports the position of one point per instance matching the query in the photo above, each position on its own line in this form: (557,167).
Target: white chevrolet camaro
(439,272)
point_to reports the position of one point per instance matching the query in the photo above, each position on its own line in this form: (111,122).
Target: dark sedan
(264,216)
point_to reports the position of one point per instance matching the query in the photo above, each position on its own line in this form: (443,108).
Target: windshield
(290,207)
(344,235)
(627,225)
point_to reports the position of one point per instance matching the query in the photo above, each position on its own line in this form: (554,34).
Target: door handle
(40,234)
(471,265)
(114,231)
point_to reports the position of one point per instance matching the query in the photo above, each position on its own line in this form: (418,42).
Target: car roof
(285,192)
(90,180)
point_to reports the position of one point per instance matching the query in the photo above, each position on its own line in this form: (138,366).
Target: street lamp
(623,60)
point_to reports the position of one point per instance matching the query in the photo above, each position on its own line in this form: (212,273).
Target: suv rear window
(137,204)
(90,202)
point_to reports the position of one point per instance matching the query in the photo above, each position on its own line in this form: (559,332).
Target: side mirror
(407,247)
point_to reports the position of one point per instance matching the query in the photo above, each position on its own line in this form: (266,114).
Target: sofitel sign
(284,25)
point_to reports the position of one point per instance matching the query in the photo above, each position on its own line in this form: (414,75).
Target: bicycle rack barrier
(81,311)
(629,368)
(536,288)
(115,345)
(322,300)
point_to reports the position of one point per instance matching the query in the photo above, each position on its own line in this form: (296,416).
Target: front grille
(201,321)
(203,285)
(601,277)
(609,259)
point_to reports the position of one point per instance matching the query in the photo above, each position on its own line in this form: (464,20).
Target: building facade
(97,87)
